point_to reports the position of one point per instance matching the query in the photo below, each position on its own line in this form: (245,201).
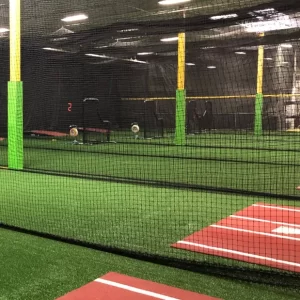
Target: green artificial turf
(131,217)
(40,269)
(139,217)
(267,164)
(234,162)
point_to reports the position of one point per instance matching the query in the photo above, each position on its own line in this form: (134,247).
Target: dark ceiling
(44,16)
(108,30)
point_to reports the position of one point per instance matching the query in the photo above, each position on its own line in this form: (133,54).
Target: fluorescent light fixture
(224,17)
(268,58)
(266,11)
(74,24)
(212,47)
(54,49)
(286,45)
(240,53)
(59,39)
(211,67)
(172,2)
(128,30)
(136,61)
(170,39)
(190,64)
(101,47)
(3,30)
(75,18)
(116,58)
(97,55)
(145,53)
(129,38)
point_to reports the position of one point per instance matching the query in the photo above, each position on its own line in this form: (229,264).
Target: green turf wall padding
(180,131)
(258,126)
(15,125)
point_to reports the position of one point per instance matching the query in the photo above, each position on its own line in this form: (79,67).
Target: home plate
(287,230)
(264,234)
(114,286)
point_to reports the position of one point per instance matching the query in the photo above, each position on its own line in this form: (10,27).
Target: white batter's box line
(264,221)
(245,254)
(134,290)
(277,207)
(257,232)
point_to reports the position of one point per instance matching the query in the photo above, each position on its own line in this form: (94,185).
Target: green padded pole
(180,135)
(258,128)
(15,89)
(15,125)
(258,125)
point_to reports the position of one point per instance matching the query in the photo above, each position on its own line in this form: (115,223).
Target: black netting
(137,192)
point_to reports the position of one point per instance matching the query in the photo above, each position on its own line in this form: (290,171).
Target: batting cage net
(165,132)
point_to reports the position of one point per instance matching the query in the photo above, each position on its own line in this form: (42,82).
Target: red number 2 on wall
(70,105)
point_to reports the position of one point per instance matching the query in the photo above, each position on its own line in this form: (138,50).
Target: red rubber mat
(114,286)
(264,234)
(98,130)
(49,133)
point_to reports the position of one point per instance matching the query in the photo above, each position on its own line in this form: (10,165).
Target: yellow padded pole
(15,39)
(181,61)
(260,68)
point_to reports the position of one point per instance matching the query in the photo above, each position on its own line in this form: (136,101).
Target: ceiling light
(268,58)
(101,47)
(54,49)
(74,24)
(3,30)
(240,53)
(74,18)
(59,39)
(128,30)
(286,45)
(136,61)
(211,67)
(224,17)
(172,2)
(190,64)
(266,11)
(116,58)
(145,53)
(97,55)
(129,38)
(170,39)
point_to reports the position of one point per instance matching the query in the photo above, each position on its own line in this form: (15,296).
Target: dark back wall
(54,91)
(51,84)
(234,75)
